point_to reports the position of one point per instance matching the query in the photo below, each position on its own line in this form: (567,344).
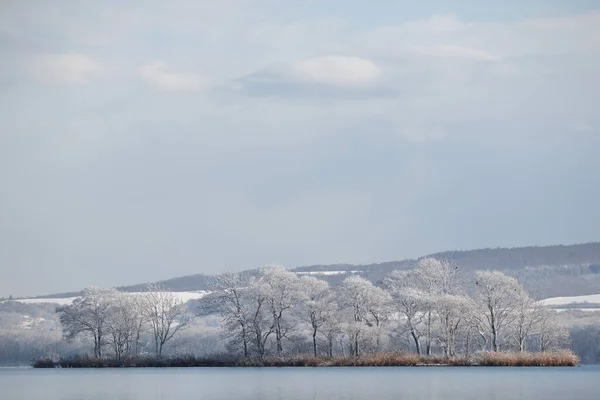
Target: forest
(432,309)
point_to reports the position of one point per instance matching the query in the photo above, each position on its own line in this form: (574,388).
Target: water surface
(450,383)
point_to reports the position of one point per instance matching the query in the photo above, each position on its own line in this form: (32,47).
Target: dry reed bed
(499,359)
(563,358)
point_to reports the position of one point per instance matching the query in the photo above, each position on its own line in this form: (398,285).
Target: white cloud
(69,68)
(449,36)
(158,74)
(336,70)
(456,51)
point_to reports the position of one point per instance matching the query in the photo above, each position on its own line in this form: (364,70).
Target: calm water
(302,383)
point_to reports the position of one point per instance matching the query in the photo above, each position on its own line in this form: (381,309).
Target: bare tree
(281,294)
(408,301)
(141,321)
(433,278)
(320,307)
(123,321)
(528,314)
(369,306)
(496,295)
(331,328)
(260,324)
(229,289)
(165,314)
(88,315)
(452,311)
(549,333)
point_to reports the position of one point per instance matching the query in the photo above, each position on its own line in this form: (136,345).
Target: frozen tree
(497,296)
(280,289)
(331,328)
(409,302)
(473,332)
(433,278)
(369,307)
(164,313)
(452,311)
(123,323)
(137,302)
(231,300)
(319,307)
(419,292)
(88,315)
(528,313)
(550,335)
(259,322)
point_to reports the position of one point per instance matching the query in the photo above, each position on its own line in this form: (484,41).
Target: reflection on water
(302,383)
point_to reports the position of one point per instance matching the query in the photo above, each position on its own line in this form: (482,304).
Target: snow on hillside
(183,297)
(563,301)
(60,301)
(326,272)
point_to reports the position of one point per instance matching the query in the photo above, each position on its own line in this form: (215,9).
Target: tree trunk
(428,339)
(494,339)
(416,339)
(244,339)
(314,336)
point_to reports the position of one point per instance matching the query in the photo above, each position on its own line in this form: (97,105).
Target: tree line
(117,320)
(429,309)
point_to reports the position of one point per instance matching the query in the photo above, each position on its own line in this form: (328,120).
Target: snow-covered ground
(562,301)
(326,272)
(183,296)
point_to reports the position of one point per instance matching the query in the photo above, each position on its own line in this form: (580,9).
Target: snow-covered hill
(583,303)
(182,296)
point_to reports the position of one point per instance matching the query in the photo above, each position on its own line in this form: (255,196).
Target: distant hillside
(548,271)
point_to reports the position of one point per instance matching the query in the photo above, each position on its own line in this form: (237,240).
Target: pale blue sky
(141,140)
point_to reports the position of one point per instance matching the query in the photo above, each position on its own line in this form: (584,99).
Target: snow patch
(562,301)
(184,297)
(326,272)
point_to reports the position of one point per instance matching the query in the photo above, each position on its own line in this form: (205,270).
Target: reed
(561,358)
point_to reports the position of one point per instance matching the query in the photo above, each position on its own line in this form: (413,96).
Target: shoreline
(484,359)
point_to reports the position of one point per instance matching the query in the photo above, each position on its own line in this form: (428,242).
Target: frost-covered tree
(409,302)
(281,291)
(528,313)
(331,330)
(452,312)
(319,306)
(497,297)
(260,322)
(164,313)
(369,308)
(230,299)
(88,316)
(123,323)
(433,278)
(549,334)
(420,294)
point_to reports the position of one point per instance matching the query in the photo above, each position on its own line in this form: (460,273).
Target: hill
(546,271)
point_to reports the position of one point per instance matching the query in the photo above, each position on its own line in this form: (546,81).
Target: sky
(142,140)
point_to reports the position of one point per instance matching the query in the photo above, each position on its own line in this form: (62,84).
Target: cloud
(449,36)
(69,68)
(336,70)
(158,74)
(326,76)
(456,51)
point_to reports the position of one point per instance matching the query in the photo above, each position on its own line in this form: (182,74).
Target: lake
(358,383)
